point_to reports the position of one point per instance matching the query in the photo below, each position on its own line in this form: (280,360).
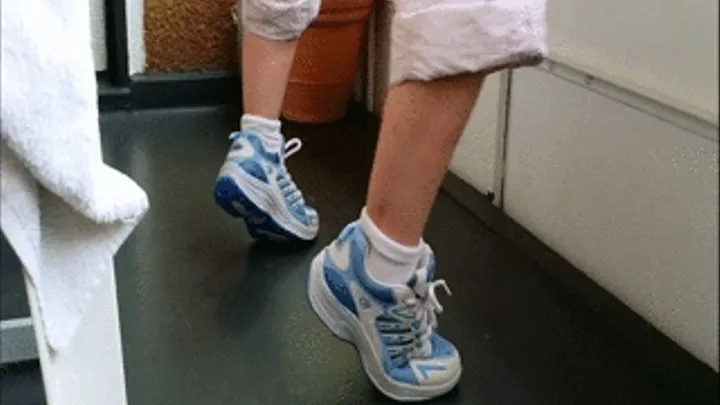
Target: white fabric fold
(63,211)
(439,38)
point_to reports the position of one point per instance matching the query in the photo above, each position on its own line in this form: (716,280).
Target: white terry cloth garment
(430,38)
(277,20)
(438,38)
(64,212)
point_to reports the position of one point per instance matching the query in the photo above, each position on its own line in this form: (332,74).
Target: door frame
(116,43)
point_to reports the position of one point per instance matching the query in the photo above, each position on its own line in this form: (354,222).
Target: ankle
(388,226)
(388,260)
(268,129)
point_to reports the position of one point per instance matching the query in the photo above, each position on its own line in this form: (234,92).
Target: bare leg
(392,286)
(376,283)
(422,123)
(266,67)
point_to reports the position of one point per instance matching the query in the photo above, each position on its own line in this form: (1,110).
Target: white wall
(627,198)
(475,157)
(97,34)
(134,11)
(665,49)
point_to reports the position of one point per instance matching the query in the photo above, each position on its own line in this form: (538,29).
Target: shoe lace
(285,182)
(423,308)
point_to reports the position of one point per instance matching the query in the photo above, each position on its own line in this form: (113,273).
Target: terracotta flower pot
(325,65)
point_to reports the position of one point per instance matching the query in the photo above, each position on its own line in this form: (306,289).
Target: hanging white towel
(64,211)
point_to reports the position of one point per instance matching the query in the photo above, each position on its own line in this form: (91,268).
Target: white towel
(64,211)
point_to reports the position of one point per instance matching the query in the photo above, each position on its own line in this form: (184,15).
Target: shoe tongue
(424,273)
(418,282)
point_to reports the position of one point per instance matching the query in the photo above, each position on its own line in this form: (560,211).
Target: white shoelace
(287,185)
(292,147)
(426,308)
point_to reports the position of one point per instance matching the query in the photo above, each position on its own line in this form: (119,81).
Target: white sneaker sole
(345,325)
(266,199)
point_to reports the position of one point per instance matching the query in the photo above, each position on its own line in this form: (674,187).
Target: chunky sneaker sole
(263,211)
(254,184)
(260,224)
(346,326)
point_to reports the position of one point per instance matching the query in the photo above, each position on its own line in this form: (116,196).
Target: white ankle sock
(268,129)
(388,261)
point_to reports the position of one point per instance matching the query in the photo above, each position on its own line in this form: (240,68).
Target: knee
(279,20)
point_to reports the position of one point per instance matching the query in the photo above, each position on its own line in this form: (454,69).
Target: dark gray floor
(21,384)
(208,317)
(13,299)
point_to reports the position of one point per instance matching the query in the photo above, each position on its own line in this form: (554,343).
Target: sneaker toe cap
(443,367)
(436,371)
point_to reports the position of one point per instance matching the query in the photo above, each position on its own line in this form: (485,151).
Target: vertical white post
(97,29)
(503,121)
(90,371)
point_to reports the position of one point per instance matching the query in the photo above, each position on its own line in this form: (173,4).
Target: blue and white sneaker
(255,185)
(393,327)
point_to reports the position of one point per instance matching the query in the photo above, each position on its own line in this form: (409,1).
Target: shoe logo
(339,253)
(241,149)
(268,169)
(424,369)
(364,303)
